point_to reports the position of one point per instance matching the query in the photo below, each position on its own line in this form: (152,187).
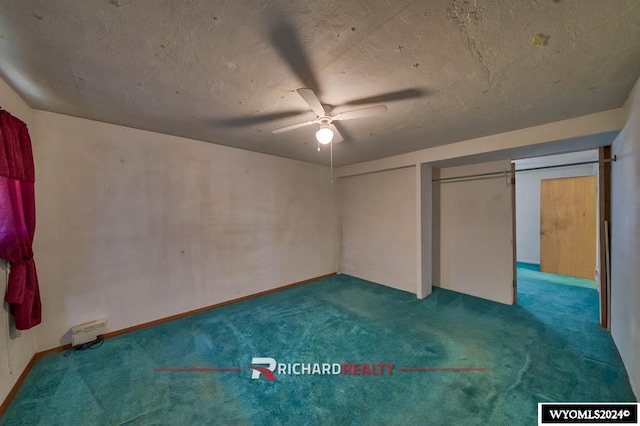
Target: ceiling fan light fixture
(324,135)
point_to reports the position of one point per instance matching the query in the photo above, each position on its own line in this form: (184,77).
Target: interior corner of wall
(626,108)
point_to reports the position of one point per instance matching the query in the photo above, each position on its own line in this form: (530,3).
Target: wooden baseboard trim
(62,348)
(14,390)
(210,307)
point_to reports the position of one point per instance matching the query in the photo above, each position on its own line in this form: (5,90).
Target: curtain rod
(504,172)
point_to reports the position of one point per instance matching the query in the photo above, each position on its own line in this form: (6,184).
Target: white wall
(424,221)
(379,235)
(528,196)
(551,138)
(16,347)
(625,241)
(472,233)
(135,226)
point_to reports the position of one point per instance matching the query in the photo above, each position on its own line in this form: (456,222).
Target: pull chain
(331,155)
(331,150)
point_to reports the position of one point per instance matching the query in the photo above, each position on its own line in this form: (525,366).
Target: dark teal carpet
(530,272)
(529,266)
(548,348)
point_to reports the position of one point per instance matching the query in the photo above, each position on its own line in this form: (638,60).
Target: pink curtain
(18,220)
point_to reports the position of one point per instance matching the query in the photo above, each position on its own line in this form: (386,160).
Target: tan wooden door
(568,226)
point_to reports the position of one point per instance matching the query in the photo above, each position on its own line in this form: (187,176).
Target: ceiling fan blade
(292,127)
(257,119)
(361,113)
(399,95)
(337,137)
(286,41)
(312,100)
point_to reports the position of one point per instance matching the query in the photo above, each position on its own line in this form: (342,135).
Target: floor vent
(88,332)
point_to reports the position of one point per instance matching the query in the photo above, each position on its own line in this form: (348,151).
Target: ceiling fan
(328,132)
(288,44)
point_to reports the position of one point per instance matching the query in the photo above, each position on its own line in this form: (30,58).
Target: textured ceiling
(216,70)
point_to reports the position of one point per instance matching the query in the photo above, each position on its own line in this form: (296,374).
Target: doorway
(557,215)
